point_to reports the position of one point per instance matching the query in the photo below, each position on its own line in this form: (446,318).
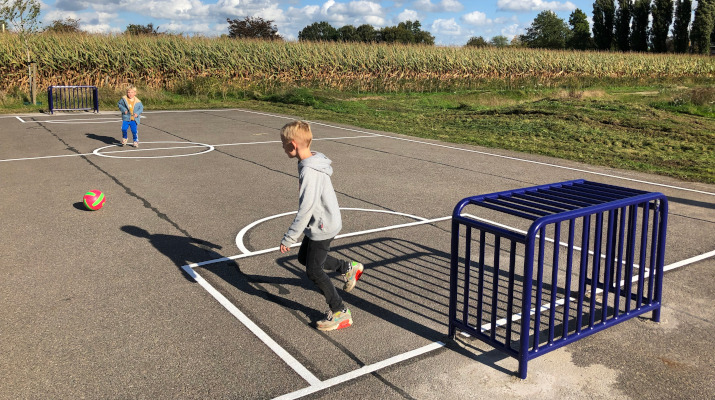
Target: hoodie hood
(318,162)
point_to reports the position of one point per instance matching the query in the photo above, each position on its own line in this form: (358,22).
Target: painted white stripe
(280,351)
(43,157)
(688,261)
(164,148)
(368,369)
(242,232)
(278,141)
(20,119)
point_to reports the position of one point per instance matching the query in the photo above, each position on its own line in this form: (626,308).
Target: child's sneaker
(351,277)
(333,321)
(135,144)
(124,141)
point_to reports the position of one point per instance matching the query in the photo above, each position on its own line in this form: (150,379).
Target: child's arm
(122,107)
(138,109)
(309,195)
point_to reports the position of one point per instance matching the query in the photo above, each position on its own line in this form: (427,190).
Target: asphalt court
(106,304)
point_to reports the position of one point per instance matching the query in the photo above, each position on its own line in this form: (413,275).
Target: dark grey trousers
(314,255)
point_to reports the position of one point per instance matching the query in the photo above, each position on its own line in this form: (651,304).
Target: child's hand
(284,249)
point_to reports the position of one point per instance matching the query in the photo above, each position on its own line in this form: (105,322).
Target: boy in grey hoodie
(319,219)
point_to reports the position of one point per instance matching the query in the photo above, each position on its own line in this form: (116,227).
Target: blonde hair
(298,131)
(132,87)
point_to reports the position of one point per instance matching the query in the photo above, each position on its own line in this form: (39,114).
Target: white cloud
(408,15)
(534,5)
(442,6)
(448,27)
(477,18)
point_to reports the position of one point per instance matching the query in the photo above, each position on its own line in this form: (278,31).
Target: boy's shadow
(182,250)
(103,139)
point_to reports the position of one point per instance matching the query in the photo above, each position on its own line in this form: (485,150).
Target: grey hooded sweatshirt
(318,211)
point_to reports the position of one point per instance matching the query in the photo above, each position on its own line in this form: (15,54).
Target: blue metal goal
(537,268)
(73,98)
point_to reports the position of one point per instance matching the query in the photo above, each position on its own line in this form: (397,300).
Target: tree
(499,41)
(252,28)
(23,15)
(702,27)
(348,33)
(681,38)
(662,13)
(623,24)
(639,33)
(405,32)
(134,29)
(366,33)
(475,41)
(547,31)
(580,34)
(68,25)
(604,12)
(318,31)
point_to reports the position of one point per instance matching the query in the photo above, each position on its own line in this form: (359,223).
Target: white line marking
(689,261)
(43,157)
(242,232)
(368,369)
(209,148)
(164,148)
(20,119)
(289,359)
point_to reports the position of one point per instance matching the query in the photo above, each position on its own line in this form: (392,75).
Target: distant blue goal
(73,98)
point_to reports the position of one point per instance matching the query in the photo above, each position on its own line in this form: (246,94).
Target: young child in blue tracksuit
(319,219)
(131,108)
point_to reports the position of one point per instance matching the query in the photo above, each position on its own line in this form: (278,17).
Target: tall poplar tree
(662,12)
(623,24)
(580,35)
(604,12)
(639,31)
(702,27)
(681,26)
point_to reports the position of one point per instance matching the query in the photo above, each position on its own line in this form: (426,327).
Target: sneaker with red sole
(351,277)
(337,320)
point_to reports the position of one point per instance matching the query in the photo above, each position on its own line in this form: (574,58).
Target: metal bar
(619,262)
(596,270)
(630,256)
(495,286)
(554,281)
(608,264)
(467,267)
(662,227)
(569,265)
(503,202)
(480,281)
(653,266)
(454,266)
(582,273)
(510,294)
(539,288)
(642,262)
(560,205)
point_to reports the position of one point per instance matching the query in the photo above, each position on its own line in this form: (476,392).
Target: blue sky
(452,22)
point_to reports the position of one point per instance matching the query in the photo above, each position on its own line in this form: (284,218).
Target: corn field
(165,62)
